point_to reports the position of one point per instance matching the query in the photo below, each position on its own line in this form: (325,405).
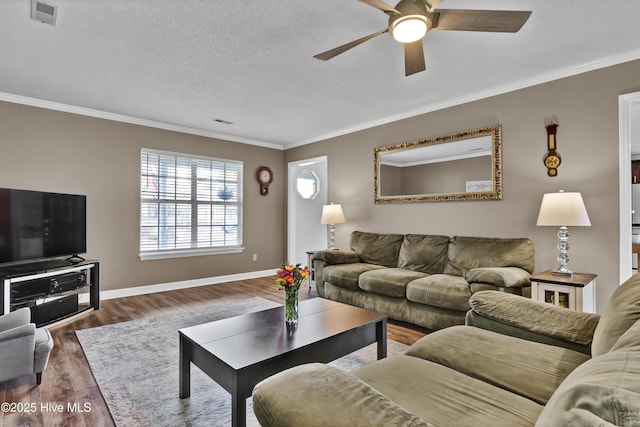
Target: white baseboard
(171,286)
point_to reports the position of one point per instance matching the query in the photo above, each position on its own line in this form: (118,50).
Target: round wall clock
(264,175)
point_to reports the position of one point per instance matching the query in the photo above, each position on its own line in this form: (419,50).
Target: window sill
(144,256)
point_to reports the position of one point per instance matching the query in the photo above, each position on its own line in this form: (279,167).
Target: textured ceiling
(182,64)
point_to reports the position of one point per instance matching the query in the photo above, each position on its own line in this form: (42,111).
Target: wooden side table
(564,291)
(312,270)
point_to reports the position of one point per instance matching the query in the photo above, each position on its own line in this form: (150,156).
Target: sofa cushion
(425,253)
(466,253)
(603,391)
(445,397)
(630,340)
(500,360)
(351,402)
(374,248)
(346,275)
(440,290)
(391,282)
(622,311)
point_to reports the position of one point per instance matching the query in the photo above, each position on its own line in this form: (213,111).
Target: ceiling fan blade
(501,21)
(379,4)
(345,47)
(413,58)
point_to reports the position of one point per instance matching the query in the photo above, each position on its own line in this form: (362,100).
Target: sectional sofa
(573,369)
(426,280)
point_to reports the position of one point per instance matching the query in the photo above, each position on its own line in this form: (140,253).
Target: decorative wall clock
(264,175)
(552,159)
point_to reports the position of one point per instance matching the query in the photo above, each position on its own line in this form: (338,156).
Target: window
(307,184)
(189,205)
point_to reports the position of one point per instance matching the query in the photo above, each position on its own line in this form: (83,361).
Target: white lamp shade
(563,209)
(332,214)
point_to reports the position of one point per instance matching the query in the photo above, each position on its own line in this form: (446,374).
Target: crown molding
(475,96)
(56,106)
(485,93)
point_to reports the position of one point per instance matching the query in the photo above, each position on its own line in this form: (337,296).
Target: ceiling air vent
(44,12)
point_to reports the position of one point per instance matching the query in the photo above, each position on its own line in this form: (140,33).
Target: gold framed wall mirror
(461,166)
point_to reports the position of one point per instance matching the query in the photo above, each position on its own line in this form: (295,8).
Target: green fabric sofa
(426,280)
(567,369)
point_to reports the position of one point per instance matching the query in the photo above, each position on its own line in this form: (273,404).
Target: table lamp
(332,214)
(563,209)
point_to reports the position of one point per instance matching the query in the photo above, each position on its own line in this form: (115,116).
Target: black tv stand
(54,290)
(75,259)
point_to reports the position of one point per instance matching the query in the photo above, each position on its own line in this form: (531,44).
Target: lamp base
(563,256)
(563,273)
(332,236)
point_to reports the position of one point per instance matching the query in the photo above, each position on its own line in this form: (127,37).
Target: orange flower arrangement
(290,277)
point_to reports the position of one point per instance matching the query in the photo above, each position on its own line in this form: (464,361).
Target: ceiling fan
(410,20)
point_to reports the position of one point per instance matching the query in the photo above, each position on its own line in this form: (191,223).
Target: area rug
(135,365)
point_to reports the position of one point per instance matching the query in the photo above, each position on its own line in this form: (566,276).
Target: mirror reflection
(462,166)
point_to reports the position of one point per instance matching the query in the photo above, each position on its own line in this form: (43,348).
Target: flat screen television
(36,225)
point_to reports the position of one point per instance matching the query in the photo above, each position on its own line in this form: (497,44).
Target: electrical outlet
(255,257)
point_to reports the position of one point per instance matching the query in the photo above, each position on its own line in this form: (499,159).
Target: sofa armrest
(501,277)
(321,259)
(532,320)
(335,256)
(17,347)
(331,398)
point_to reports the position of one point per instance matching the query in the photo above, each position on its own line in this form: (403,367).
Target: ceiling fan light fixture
(409,28)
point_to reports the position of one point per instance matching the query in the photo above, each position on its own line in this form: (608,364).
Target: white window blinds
(189,205)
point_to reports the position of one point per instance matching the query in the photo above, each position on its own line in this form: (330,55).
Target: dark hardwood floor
(68,379)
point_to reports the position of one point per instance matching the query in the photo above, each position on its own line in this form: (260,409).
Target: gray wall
(54,151)
(586,109)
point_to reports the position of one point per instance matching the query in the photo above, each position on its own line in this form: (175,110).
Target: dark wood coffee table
(241,351)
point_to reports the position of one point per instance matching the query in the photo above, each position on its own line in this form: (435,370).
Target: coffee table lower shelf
(241,351)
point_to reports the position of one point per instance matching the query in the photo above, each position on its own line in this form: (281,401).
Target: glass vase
(291,306)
